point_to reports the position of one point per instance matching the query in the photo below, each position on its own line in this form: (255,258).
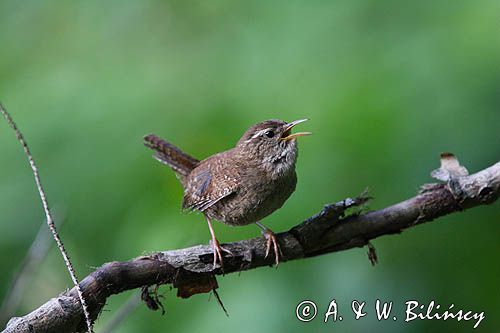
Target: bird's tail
(170,155)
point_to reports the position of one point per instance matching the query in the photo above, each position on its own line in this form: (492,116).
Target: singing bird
(239,186)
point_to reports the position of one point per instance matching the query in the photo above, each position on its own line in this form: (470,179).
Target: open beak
(287,133)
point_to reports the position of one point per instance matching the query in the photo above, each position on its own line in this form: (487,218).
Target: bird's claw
(272,241)
(218,252)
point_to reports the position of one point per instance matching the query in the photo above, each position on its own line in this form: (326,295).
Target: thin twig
(34,257)
(48,214)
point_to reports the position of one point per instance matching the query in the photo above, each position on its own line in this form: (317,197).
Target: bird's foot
(272,241)
(217,249)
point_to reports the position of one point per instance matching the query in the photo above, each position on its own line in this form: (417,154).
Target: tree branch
(190,270)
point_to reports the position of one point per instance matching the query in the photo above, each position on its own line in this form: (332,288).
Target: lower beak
(289,126)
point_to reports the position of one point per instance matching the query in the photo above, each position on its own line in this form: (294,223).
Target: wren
(239,186)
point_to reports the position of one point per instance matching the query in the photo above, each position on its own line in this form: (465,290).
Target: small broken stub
(372,254)
(152,299)
(450,168)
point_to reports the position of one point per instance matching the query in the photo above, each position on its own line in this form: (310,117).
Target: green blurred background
(388,85)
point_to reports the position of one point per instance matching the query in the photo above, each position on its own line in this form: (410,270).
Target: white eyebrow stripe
(259,133)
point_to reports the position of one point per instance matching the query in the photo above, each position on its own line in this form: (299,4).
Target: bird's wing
(207,186)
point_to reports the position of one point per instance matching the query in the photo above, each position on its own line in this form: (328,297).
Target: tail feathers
(170,155)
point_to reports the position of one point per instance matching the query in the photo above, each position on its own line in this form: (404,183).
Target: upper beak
(288,128)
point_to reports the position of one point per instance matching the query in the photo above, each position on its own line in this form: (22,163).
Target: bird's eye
(269,134)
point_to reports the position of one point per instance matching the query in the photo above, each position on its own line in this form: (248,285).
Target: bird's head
(272,145)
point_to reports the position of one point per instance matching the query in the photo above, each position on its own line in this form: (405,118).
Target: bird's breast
(258,195)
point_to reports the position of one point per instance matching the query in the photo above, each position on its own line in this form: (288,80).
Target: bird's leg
(216,246)
(271,241)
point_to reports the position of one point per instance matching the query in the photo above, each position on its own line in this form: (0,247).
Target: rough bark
(190,270)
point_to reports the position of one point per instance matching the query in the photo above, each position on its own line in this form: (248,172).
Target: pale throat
(281,164)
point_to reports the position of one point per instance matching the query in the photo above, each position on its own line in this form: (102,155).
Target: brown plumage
(241,185)
(172,156)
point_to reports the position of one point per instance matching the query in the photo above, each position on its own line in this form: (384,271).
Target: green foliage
(388,85)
